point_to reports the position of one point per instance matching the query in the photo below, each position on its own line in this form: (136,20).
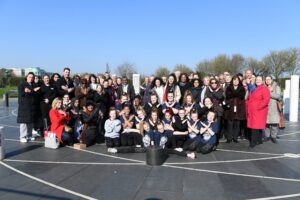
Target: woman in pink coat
(257,111)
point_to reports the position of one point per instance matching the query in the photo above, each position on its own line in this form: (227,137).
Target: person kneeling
(89,119)
(208,138)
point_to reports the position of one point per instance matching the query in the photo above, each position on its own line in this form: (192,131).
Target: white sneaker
(23,140)
(34,132)
(191,155)
(32,138)
(179,149)
(112,150)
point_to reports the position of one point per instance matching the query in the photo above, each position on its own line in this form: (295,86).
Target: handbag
(281,124)
(68,129)
(51,141)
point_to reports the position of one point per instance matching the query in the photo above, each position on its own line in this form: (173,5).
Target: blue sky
(87,34)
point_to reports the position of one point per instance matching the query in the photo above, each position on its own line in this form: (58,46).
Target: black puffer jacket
(28,104)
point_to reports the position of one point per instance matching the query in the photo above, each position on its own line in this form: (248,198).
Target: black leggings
(131,139)
(112,142)
(177,140)
(192,145)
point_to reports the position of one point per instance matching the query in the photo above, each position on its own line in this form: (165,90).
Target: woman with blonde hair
(59,118)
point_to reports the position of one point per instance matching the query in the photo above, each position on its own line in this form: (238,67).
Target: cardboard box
(79,146)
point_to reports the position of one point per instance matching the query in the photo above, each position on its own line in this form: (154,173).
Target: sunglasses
(213,82)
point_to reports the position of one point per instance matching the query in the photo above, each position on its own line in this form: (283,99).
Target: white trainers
(23,140)
(32,138)
(179,149)
(191,155)
(112,150)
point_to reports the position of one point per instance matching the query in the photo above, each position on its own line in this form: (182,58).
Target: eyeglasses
(213,83)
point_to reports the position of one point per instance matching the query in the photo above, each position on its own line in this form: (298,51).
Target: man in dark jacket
(65,84)
(126,88)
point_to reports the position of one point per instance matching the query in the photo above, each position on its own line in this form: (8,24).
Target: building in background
(36,70)
(19,72)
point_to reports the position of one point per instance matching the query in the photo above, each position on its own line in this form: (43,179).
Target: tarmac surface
(31,171)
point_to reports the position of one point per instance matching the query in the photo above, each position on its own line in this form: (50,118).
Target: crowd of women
(181,113)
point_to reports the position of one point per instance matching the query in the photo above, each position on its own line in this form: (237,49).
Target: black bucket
(155,156)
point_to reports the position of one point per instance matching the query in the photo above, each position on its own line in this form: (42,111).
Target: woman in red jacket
(257,111)
(59,118)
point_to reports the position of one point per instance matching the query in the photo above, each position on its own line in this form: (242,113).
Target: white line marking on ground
(110,156)
(289,140)
(14,112)
(69,163)
(225,161)
(278,197)
(234,174)
(249,152)
(46,183)
(286,134)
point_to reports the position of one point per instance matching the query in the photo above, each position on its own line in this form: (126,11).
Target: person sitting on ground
(59,119)
(89,131)
(76,113)
(153,119)
(152,139)
(129,136)
(208,139)
(180,129)
(112,128)
(168,125)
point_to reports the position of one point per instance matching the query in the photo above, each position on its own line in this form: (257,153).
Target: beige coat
(273,113)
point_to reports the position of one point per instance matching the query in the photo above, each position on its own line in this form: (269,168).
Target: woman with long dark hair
(158,88)
(236,111)
(171,86)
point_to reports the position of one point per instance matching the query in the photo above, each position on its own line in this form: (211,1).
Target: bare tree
(182,68)
(276,62)
(256,66)
(204,67)
(162,71)
(126,69)
(293,61)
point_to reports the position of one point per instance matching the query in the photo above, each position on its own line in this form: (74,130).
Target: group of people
(181,113)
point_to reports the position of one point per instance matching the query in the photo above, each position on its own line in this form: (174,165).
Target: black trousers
(256,137)
(112,142)
(233,128)
(190,145)
(131,139)
(177,141)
